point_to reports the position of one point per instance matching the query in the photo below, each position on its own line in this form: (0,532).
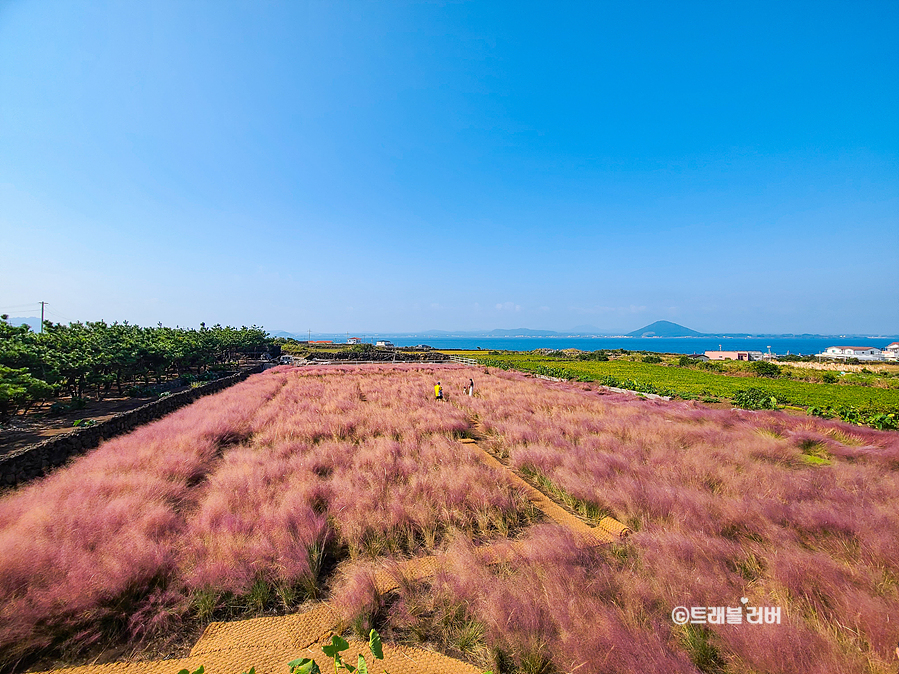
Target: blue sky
(403,166)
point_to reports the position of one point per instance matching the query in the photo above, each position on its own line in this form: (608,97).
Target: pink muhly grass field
(257,484)
(73,545)
(788,511)
(248,485)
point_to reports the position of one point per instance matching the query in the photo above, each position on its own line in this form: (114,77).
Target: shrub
(684,361)
(796,358)
(754,399)
(829,378)
(652,358)
(600,355)
(765,369)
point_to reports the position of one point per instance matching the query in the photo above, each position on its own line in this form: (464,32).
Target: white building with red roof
(891,352)
(845,352)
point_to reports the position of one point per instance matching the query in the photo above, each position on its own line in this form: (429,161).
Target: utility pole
(42,316)
(310,335)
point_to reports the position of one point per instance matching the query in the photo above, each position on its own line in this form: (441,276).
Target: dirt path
(608,530)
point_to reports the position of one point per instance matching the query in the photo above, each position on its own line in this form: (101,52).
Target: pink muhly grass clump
(788,648)
(356,598)
(554,602)
(384,491)
(256,520)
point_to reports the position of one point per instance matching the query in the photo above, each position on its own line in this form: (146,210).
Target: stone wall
(39,459)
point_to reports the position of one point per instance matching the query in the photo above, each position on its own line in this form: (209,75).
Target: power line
(16,307)
(56,313)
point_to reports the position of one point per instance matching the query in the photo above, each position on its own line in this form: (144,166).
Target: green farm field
(693,383)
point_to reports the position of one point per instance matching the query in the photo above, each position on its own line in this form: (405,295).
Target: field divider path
(609,530)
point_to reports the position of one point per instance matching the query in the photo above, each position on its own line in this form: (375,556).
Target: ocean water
(780,346)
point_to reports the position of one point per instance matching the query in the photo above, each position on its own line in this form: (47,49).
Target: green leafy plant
(883,422)
(754,398)
(333,650)
(849,414)
(77,404)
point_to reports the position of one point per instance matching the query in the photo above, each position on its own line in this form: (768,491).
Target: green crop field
(692,383)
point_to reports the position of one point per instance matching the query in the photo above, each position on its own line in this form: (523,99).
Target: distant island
(664,329)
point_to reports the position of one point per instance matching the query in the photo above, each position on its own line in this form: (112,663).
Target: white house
(891,351)
(384,343)
(844,352)
(354,340)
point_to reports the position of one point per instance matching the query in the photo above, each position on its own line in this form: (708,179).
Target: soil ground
(21,431)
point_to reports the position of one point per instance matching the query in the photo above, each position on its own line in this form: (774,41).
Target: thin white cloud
(508,306)
(598,310)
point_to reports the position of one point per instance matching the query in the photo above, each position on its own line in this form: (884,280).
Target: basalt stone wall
(381,355)
(39,459)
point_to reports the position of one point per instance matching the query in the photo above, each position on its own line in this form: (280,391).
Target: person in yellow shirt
(438,391)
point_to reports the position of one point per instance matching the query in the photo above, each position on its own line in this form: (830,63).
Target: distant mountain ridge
(661,329)
(31,321)
(657,329)
(527,332)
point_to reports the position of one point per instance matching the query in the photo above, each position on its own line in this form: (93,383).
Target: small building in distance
(846,352)
(384,343)
(891,351)
(354,340)
(734,355)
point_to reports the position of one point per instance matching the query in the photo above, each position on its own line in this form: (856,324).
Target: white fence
(463,361)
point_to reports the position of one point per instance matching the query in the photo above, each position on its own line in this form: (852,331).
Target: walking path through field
(268,644)
(608,531)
